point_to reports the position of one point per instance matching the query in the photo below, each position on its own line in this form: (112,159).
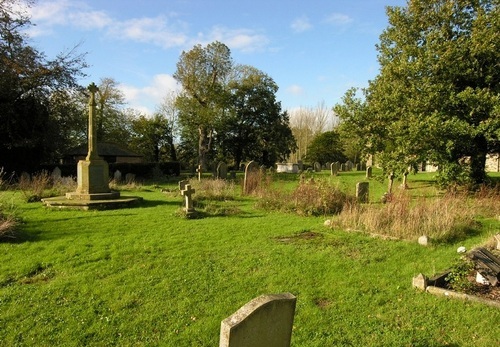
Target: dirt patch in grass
(301,235)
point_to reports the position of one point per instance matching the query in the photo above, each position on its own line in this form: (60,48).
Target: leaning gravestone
(250,182)
(221,171)
(265,321)
(362,191)
(334,167)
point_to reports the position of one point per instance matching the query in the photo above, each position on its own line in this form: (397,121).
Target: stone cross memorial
(93,172)
(266,321)
(187,191)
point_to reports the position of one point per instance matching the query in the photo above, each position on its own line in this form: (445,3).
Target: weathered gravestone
(251,180)
(266,321)
(301,165)
(187,191)
(404,185)
(391,182)
(117,176)
(129,178)
(317,167)
(328,165)
(369,172)
(363,191)
(56,174)
(334,168)
(221,171)
(349,165)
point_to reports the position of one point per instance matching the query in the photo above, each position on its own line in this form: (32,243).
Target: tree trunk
(478,160)
(204,143)
(173,152)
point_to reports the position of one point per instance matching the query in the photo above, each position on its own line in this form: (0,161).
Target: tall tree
(255,127)
(168,110)
(27,80)
(355,129)
(437,94)
(68,112)
(203,73)
(112,123)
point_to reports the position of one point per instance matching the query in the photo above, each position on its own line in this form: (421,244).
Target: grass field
(145,276)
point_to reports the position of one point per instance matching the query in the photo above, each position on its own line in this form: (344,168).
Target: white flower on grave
(461,249)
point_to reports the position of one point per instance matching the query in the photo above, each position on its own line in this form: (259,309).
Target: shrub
(459,276)
(310,198)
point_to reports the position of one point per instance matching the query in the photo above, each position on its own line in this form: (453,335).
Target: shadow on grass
(18,236)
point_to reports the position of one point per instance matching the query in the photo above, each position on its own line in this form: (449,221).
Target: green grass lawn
(145,276)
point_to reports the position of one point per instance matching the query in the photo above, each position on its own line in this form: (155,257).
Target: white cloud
(295,89)
(149,30)
(162,31)
(301,24)
(244,40)
(146,99)
(338,19)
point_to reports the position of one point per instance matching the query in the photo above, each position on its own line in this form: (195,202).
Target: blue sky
(314,50)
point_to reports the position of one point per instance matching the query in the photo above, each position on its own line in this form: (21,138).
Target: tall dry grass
(448,218)
(42,184)
(7,226)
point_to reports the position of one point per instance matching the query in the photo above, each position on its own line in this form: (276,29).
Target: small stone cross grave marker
(266,321)
(187,191)
(199,171)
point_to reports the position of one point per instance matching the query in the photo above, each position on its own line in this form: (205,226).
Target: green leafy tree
(203,74)
(27,82)
(152,137)
(168,110)
(437,95)
(112,122)
(255,127)
(326,147)
(68,112)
